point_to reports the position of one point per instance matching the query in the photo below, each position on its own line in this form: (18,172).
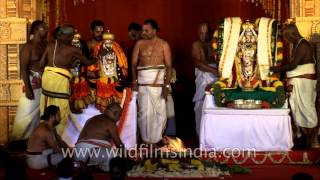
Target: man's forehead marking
(99,28)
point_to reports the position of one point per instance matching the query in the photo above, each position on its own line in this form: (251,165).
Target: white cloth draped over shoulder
(264,47)
(152,115)
(231,33)
(303,96)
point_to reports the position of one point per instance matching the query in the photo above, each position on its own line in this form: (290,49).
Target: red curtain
(178,20)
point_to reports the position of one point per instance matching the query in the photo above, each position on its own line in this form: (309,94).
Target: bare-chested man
(28,113)
(301,75)
(59,57)
(98,133)
(97,29)
(205,68)
(44,146)
(151,75)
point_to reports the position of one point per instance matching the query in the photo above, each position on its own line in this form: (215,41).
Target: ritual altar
(225,129)
(245,109)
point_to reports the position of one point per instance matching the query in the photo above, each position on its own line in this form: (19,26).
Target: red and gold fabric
(106,91)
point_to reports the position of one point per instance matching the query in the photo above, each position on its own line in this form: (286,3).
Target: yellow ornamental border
(277,84)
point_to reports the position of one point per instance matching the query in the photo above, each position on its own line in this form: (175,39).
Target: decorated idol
(81,96)
(112,70)
(246,51)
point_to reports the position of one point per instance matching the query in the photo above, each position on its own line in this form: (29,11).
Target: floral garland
(218,40)
(277,100)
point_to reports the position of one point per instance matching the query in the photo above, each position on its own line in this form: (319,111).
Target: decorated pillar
(14,17)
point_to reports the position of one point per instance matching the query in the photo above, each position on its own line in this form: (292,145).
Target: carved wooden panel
(13,31)
(308,26)
(309,8)
(4,133)
(11,116)
(3,62)
(13,62)
(42,10)
(12,8)
(304,8)
(10,92)
(3,9)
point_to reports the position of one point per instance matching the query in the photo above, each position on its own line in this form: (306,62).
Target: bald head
(204,32)
(291,33)
(113,111)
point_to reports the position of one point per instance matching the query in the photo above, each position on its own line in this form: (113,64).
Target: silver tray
(247,104)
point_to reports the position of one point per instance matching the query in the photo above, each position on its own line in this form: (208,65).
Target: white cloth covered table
(226,129)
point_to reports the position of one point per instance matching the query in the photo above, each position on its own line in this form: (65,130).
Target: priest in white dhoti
(151,75)
(301,75)
(205,69)
(28,112)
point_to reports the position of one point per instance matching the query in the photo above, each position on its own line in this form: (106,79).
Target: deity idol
(112,70)
(81,96)
(246,51)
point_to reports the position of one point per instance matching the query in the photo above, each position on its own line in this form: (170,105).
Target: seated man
(100,132)
(45,144)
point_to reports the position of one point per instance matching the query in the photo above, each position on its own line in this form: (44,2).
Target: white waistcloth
(41,161)
(202,80)
(225,129)
(94,154)
(301,70)
(28,114)
(302,101)
(152,115)
(151,76)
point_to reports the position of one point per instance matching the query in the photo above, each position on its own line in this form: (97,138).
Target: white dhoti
(28,112)
(303,96)
(44,159)
(202,80)
(94,152)
(152,115)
